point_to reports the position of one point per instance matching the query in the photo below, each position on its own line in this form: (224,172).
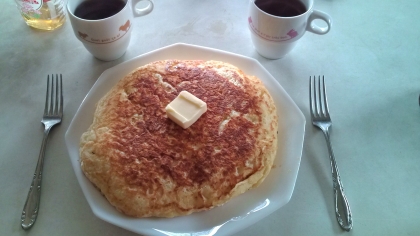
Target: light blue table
(371,62)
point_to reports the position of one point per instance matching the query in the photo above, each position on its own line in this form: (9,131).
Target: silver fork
(53,113)
(321,118)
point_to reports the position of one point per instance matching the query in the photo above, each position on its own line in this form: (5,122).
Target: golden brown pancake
(146,165)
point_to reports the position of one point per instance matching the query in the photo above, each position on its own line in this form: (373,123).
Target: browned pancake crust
(146,165)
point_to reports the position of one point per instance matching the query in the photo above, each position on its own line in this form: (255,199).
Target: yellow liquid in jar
(51,16)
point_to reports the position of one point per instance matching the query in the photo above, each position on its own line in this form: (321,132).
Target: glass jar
(42,14)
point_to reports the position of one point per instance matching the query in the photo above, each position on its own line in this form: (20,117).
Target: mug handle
(142,11)
(312,27)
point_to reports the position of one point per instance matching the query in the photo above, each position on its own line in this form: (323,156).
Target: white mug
(275,36)
(107,39)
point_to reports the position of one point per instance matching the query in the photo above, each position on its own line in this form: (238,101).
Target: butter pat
(185,109)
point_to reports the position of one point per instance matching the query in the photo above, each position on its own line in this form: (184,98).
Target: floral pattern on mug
(124,28)
(290,35)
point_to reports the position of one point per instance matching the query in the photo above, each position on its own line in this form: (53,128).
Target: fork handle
(31,208)
(342,207)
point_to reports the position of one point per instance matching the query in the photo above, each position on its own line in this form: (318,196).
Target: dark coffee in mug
(282,8)
(98,9)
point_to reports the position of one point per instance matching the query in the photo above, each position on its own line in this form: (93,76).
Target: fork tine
(56,95)
(46,98)
(319,98)
(317,105)
(323,103)
(327,113)
(310,95)
(50,112)
(61,94)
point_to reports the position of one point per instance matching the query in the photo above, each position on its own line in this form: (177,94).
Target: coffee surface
(98,9)
(282,8)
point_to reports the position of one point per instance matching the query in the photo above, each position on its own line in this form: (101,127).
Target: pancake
(148,166)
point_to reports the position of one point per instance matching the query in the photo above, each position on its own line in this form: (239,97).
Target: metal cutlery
(53,113)
(321,118)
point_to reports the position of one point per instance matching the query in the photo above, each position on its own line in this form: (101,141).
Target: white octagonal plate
(238,213)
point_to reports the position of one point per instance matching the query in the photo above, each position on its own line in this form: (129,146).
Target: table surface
(369,59)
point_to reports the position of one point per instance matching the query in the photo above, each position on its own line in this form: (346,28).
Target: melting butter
(185,109)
